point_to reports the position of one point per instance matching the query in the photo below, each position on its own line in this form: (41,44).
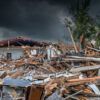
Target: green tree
(84,24)
(85,28)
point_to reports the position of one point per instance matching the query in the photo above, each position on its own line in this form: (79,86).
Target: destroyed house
(12,48)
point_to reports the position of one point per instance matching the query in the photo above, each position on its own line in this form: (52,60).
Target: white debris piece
(94,88)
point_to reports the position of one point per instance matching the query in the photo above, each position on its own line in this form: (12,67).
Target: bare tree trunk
(73,40)
(82,41)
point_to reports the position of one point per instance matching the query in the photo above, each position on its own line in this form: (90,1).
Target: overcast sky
(37,19)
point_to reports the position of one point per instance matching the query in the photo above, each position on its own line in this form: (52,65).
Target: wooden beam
(85,68)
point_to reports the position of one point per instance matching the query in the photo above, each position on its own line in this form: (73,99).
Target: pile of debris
(52,73)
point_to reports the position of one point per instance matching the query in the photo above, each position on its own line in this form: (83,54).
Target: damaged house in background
(14,48)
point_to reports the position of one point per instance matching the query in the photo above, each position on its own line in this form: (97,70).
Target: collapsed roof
(20,41)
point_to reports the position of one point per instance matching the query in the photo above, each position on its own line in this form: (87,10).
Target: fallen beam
(85,79)
(76,58)
(85,68)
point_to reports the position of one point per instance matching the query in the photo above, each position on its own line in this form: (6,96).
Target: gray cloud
(38,19)
(33,19)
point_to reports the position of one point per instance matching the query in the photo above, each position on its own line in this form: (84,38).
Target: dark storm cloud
(39,19)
